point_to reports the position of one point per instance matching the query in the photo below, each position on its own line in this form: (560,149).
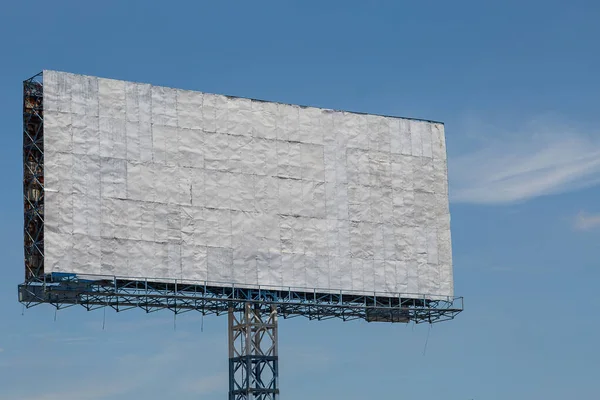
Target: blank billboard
(157,183)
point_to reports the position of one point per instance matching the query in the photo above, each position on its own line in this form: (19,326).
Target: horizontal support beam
(151,296)
(255,358)
(255,392)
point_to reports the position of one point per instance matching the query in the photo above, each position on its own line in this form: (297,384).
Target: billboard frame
(65,290)
(253,344)
(33,177)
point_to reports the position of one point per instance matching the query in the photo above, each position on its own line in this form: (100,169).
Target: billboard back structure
(150,182)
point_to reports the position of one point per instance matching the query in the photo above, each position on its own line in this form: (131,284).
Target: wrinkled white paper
(158,183)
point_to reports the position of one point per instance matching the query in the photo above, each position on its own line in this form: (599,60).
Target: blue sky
(516,84)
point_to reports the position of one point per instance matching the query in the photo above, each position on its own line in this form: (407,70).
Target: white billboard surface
(157,183)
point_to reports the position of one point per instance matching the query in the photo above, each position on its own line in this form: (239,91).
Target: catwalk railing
(65,290)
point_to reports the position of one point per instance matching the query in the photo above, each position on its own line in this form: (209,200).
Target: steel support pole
(253,360)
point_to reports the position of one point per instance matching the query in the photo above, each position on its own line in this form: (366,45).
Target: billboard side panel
(33,178)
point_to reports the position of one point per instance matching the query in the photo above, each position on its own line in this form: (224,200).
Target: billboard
(149,182)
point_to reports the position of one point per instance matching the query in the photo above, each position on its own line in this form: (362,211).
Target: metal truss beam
(33,176)
(253,314)
(253,358)
(123,294)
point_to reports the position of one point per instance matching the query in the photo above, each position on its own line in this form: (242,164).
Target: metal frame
(253,356)
(33,176)
(122,293)
(253,359)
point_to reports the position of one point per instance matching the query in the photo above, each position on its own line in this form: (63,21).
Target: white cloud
(585,222)
(542,158)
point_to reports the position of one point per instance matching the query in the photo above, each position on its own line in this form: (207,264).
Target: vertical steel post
(253,357)
(33,178)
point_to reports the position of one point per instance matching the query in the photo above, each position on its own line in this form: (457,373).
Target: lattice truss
(253,362)
(123,294)
(33,176)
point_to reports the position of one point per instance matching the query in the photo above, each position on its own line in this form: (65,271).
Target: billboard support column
(253,358)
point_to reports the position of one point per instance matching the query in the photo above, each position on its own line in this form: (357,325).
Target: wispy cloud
(318,358)
(57,337)
(205,385)
(539,159)
(142,374)
(585,221)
